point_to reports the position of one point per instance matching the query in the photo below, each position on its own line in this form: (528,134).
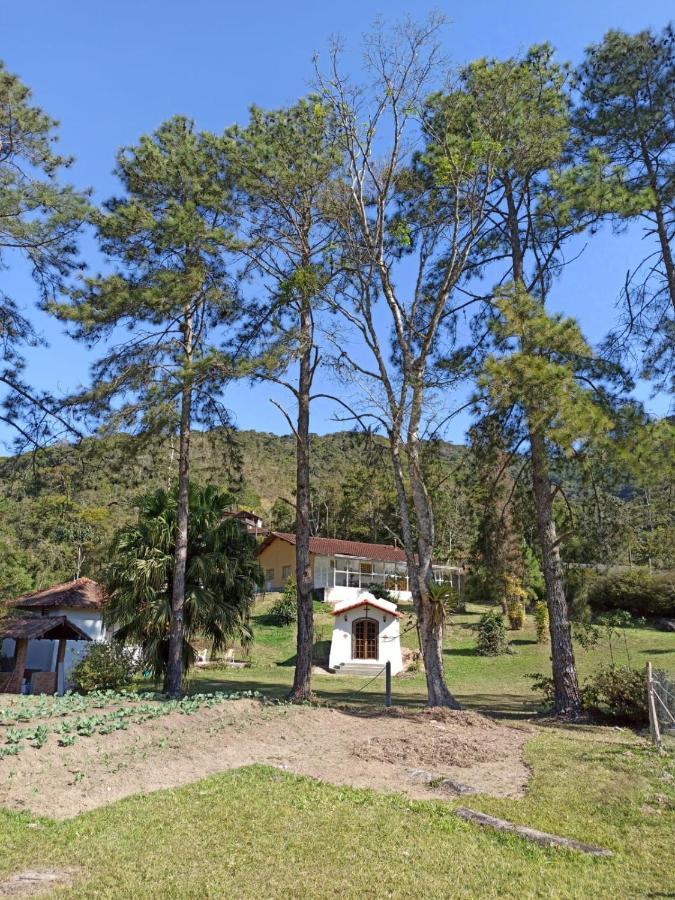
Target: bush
(636,591)
(618,691)
(106,666)
(541,621)
(285,610)
(380,592)
(492,635)
(543,684)
(516,613)
(514,597)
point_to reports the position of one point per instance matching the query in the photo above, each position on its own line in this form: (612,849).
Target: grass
(259,832)
(497,685)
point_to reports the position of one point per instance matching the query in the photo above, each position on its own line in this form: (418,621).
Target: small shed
(42,628)
(366,635)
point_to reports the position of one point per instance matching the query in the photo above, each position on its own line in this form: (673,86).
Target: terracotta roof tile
(333,547)
(83,593)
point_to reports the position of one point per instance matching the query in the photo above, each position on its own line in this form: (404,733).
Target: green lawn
(259,832)
(491,684)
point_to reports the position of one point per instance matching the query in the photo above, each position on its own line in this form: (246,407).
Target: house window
(366,568)
(286,572)
(269,575)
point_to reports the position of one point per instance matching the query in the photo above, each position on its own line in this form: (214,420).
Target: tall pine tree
(163,309)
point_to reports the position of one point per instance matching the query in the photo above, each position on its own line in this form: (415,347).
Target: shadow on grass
(334,691)
(267,620)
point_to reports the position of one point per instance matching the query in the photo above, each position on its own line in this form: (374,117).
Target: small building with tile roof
(80,603)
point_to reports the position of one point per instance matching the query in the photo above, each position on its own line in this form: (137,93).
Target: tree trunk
(566,688)
(174,673)
(430,633)
(302,679)
(661,225)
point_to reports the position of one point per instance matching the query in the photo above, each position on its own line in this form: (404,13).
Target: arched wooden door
(365,639)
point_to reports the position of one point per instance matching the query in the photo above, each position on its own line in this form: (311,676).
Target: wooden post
(387,684)
(654,729)
(60,675)
(20,654)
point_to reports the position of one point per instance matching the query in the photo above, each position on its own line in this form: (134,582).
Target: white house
(366,634)
(81,604)
(342,569)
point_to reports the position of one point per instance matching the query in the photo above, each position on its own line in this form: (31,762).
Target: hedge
(636,591)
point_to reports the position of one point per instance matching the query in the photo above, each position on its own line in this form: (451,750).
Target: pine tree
(526,110)
(39,222)
(547,378)
(284,162)
(163,308)
(627,119)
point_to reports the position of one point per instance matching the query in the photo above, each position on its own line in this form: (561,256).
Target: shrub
(541,621)
(618,691)
(516,613)
(635,591)
(514,601)
(380,592)
(492,634)
(285,610)
(544,685)
(106,666)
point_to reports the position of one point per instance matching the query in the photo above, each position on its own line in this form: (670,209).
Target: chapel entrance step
(360,669)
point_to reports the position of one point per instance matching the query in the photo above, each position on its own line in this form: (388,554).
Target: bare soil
(422,754)
(35,881)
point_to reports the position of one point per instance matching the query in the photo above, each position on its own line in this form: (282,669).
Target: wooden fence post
(387,684)
(654,729)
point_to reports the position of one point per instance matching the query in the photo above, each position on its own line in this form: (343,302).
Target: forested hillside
(60,508)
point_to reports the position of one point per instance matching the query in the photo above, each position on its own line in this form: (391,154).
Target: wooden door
(365,633)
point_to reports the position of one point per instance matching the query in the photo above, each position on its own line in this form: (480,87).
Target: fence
(661,703)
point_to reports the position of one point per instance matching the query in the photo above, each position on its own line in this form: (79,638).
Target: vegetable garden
(101,712)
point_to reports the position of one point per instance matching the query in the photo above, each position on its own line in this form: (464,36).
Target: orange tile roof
(83,593)
(333,547)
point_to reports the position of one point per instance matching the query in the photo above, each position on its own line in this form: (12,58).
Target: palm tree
(222,576)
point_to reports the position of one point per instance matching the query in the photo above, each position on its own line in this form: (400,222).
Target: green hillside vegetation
(60,508)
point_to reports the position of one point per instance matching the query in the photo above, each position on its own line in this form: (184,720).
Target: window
(269,575)
(366,568)
(286,572)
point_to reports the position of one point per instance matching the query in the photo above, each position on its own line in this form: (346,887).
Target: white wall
(389,644)
(338,594)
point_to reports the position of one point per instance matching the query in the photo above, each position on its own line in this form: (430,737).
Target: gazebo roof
(83,593)
(42,628)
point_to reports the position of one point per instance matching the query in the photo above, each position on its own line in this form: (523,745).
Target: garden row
(131,709)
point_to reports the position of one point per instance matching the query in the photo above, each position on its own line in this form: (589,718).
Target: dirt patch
(32,882)
(381,750)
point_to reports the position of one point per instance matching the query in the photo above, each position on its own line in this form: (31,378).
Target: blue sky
(112,71)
